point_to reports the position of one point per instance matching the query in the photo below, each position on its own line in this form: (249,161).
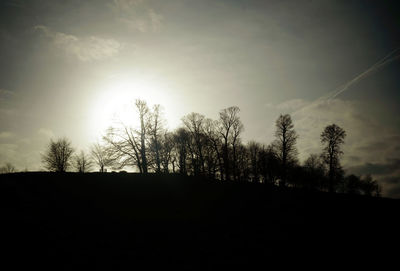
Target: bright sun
(116,101)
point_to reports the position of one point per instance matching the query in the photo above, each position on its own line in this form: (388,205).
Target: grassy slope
(119,219)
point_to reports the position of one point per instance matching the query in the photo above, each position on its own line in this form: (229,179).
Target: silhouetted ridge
(153,216)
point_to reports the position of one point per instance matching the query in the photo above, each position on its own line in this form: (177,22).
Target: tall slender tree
(285,144)
(332,137)
(143,111)
(230,128)
(156,132)
(181,139)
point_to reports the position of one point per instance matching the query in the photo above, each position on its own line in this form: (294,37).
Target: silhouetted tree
(241,162)
(143,111)
(268,164)
(315,171)
(230,128)
(129,144)
(155,132)
(102,156)
(124,146)
(82,162)
(194,123)
(166,158)
(352,184)
(297,176)
(369,186)
(333,137)
(237,129)
(57,156)
(285,144)
(254,150)
(215,148)
(7,168)
(181,139)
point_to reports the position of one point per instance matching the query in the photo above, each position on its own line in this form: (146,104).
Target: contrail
(389,58)
(374,68)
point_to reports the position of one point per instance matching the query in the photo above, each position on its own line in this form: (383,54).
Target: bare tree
(129,144)
(254,149)
(285,144)
(214,149)
(165,153)
(332,137)
(82,162)
(125,146)
(156,131)
(194,122)
(315,170)
(102,156)
(57,156)
(181,143)
(143,111)
(241,162)
(268,164)
(230,128)
(237,129)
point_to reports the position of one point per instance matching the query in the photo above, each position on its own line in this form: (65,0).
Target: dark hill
(116,220)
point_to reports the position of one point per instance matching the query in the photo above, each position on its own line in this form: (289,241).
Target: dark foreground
(120,221)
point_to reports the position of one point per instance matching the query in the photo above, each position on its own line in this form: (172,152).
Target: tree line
(214,149)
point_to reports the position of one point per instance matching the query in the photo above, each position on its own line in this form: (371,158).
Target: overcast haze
(66,65)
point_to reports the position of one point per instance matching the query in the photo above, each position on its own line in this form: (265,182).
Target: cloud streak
(392,56)
(137,15)
(389,58)
(85,49)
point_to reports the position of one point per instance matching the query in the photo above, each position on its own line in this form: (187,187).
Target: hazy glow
(116,102)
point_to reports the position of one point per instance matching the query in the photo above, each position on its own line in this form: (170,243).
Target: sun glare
(115,103)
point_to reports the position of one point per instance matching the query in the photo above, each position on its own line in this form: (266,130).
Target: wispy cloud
(46,133)
(389,58)
(5,135)
(289,105)
(5,94)
(7,106)
(137,15)
(85,49)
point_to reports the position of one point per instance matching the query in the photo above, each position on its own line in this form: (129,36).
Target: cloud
(24,152)
(8,152)
(392,166)
(387,174)
(7,104)
(5,135)
(85,49)
(5,95)
(126,4)
(137,15)
(290,105)
(46,133)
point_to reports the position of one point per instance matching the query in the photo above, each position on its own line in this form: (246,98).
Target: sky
(68,65)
